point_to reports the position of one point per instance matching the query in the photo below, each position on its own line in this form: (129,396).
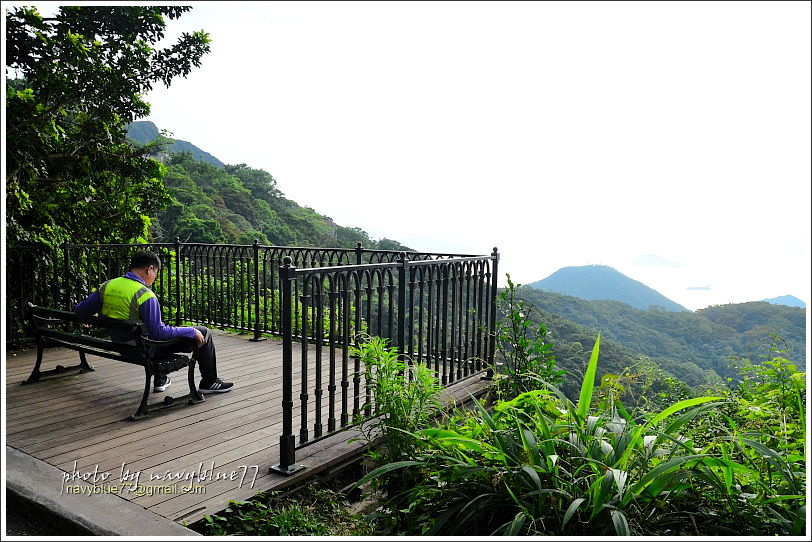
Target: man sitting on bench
(129,298)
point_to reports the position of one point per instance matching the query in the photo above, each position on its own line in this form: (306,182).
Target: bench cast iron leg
(84,366)
(194,394)
(142,409)
(34,377)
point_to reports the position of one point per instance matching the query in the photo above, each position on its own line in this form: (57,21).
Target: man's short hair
(144,258)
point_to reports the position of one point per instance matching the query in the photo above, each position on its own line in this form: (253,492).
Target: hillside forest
(698,348)
(235,204)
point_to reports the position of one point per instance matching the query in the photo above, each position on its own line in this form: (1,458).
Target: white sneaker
(162,387)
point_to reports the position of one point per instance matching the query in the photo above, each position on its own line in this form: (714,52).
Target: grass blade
(588,385)
(386,468)
(571,511)
(619,520)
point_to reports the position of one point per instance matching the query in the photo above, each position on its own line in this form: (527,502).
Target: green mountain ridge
(601,282)
(220,203)
(143,132)
(694,347)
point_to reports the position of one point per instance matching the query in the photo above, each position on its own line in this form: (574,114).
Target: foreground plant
(526,360)
(760,440)
(403,397)
(539,464)
(313,512)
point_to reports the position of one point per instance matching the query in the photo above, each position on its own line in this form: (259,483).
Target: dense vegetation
(237,204)
(695,347)
(216,203)
(731,462)
(314,511)
(73,82)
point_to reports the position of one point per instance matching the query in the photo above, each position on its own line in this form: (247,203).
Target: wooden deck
(189,461)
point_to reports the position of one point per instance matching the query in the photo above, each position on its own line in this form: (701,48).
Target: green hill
(219,203)
(143,132)
(686,344)
(596,282)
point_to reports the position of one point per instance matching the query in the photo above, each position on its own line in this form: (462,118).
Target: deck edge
(39,484)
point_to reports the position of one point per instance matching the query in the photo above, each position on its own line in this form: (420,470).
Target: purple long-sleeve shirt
(149,311)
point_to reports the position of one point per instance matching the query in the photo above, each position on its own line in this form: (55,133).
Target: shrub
(403,397)
(541,465)
(526,360)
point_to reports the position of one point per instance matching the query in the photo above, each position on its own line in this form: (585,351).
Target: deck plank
(82,422)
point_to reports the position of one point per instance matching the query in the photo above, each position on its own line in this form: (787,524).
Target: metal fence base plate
(287,471)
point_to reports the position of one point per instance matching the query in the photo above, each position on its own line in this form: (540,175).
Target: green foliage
(541,465)
(643,387)
(763,430)
(525,358)
(390,244)
(75,81)
(313,512)
(237,204)
(693,347)
(404,397)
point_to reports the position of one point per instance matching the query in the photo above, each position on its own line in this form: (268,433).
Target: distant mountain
(601,282)
(144,131)
(690,345)
(789,300)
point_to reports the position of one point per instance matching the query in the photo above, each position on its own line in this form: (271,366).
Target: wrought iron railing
(437,309)
(438,312)
(222,286)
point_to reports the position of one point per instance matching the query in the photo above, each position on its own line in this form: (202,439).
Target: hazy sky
(669,140)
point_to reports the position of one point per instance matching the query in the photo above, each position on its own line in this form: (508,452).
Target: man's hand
(199,338)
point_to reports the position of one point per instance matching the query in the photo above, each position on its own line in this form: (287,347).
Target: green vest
(122,297)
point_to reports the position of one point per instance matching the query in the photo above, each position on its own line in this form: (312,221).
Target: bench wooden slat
(125,352)
(47,323)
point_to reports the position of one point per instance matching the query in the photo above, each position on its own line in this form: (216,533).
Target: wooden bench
(57,328)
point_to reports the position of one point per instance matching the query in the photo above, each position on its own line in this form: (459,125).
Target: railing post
(257,326)
(287,441)
(402,259)
(177,281)
(492,322)
(359,250)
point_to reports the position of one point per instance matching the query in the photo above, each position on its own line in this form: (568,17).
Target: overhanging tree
(74,81)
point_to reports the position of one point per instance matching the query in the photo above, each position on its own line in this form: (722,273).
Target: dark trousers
(206,356)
